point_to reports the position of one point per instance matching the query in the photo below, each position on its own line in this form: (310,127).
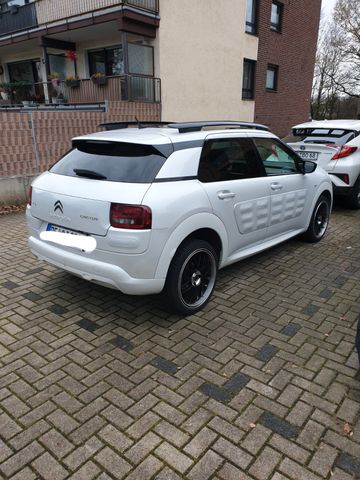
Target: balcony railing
(127,88)
(149,5)
(48,11)
(18,18)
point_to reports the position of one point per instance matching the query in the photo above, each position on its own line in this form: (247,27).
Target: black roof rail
(197,126)
(139,124)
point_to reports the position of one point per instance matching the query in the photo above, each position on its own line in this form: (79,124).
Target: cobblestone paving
(260,385)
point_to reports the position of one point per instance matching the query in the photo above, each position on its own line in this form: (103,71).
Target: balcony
(44,12)
(48,12)
(148,5)
(18,18)
(132,88)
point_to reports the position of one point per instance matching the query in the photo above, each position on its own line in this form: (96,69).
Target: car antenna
(140,125)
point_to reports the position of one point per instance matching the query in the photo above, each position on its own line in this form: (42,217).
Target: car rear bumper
(342,191)
(92,270)
(341,188)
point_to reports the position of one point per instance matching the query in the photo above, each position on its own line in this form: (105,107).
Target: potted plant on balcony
(5,90)
(99,78)
(54,79)
(21,92)
(59,99)
(72,81)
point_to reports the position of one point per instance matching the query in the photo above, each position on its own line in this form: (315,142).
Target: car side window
(276,158)
(229,159)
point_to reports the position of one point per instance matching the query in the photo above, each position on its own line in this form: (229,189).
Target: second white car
(335,146)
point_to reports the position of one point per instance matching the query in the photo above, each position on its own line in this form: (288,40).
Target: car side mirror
(308,167)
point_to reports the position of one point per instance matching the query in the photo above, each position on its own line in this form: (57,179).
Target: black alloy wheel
(192,277)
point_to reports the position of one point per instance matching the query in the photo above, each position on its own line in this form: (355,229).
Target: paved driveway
(260,385)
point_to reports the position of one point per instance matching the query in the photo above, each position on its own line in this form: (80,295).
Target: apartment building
(202,59)
(287,31)
(79,51)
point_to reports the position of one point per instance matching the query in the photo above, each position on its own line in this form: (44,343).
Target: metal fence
(133,88)
(18,18)
(150,5)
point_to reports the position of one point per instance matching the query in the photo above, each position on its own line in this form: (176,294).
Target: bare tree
(347,41)
(337,68)
(328,67)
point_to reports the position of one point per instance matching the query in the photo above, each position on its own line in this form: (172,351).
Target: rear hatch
(81,204)
(321,154)
(78,191)
(319,144)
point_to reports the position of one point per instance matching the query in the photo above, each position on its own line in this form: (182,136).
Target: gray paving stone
(87,400)
(278,425)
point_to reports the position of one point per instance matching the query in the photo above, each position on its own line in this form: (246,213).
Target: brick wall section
(54,131)
(16,148)
(293,50)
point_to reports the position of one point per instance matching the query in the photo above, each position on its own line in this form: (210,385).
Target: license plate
(308,155)
(56,228)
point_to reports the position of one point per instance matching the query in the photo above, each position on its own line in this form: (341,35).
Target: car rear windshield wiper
(89,174)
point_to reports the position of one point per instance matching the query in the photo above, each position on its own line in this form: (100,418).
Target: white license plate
(56,228)
(308,155)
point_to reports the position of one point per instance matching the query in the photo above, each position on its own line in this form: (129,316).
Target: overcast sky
(327,6)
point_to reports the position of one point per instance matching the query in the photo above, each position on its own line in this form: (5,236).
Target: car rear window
(323,136)
(113,161)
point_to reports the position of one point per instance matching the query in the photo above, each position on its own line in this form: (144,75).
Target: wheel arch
(327,194)
(202,226)
(324,191)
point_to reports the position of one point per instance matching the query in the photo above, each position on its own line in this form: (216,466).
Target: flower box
(74,83)
(99,80)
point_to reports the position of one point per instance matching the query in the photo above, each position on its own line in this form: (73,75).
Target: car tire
(354,200)
(319,220)
(191,278)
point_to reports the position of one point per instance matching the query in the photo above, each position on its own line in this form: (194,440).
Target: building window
(276,16)
(248,79)
(251,16)
(272,77)
(108,61)
(141,59)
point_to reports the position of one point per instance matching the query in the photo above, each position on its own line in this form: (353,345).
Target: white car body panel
(249,195)
(186,228)
(96,271)
(290,201)
(182,163)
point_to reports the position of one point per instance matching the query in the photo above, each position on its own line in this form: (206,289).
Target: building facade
(236,59)
(78,51)
(287,33)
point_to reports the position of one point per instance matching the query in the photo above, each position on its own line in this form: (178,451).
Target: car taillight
(30,196)
(345,151)
(134,217)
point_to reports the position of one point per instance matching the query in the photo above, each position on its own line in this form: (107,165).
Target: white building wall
(199,53)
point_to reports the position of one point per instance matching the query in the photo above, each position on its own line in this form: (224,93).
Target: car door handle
(276,186)
(225,194)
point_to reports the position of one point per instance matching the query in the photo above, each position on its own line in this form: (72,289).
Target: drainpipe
(33,138)
(47,70)
(126,63)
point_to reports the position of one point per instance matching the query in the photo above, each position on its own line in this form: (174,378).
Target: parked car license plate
(308,155)
(56,228)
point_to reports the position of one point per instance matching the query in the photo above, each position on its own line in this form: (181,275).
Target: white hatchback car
(146,210)
(335,146)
